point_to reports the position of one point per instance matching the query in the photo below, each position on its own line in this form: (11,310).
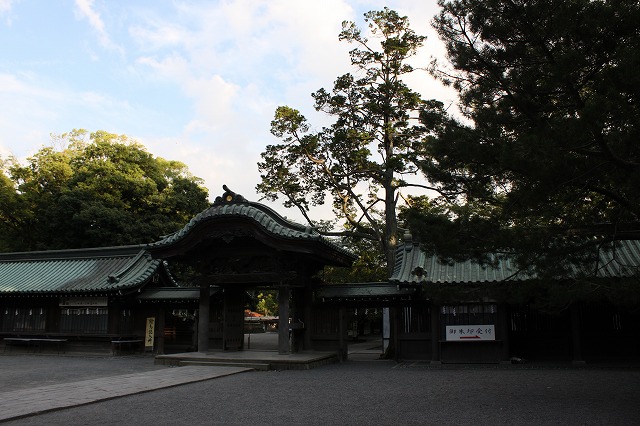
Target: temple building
(457,312)
(117,299)
(106,297)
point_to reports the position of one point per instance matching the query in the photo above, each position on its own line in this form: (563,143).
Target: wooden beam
(250,278)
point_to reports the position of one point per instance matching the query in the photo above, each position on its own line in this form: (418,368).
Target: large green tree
(100,189)
(10,212)
(367,156)
(547,147)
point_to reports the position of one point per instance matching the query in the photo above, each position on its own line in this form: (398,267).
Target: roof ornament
(418,271)
(228,197)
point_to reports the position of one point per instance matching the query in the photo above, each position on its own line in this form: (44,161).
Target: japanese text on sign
(150,331)
(470,332)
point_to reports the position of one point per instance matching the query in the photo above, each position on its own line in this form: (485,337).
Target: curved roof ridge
(266,217)
(238,206)
(232,205)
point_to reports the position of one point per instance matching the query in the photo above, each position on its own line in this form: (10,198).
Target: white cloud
(34,110)
(234,55)
(158,35)
(84,9)
(251,41)
(5,6)
(173,67)
(214,97)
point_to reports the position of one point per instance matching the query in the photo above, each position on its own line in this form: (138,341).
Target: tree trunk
(389,244)
(390,238)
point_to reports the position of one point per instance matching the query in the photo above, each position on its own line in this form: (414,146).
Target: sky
(193,81)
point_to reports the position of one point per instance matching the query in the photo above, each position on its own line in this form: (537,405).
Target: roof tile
(414,267)
(67,271)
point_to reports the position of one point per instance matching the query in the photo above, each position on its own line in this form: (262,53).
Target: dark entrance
(372,316)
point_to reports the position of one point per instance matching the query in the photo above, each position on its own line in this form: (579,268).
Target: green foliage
(101,189)
(368,154)
(267,303)
(11,214)
(454,232)
(370,266)
(547,152)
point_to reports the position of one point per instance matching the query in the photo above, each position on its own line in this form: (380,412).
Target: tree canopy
(547,149)
(101,189)
(369,153)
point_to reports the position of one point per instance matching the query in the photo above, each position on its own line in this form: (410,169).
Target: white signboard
(470,333)
(150,331)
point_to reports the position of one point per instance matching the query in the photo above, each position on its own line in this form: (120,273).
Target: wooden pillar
(395,326)
(503,326)
(307,318)
(203,319)
(386,329)
(576,339)
(343,346)
(283,320)
(160,331)
(435,334)
(194,331)
(298,313)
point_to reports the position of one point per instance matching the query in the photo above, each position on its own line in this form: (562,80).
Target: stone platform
(261,353)
(256,359)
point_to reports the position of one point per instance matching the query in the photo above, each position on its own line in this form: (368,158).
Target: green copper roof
(413,266)
(262,215)
(76,271)
(232,205)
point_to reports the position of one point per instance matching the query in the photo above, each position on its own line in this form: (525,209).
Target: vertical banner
(150,331)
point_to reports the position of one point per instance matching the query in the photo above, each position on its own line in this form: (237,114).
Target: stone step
(212,363)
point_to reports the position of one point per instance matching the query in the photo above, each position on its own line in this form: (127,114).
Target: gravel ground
(25,371)
(350,393)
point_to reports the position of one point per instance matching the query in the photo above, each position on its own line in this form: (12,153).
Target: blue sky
(195,81)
